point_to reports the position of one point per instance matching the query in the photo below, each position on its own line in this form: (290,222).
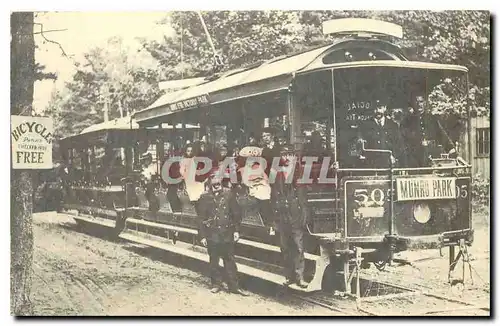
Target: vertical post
(338,217)
(469,127)
(106,110)
(160,150)
(391,211)
(451,259)
(347,282)
(391,198)
(120,108)
(184,133)
(245,124)
(334,120)
(291,117)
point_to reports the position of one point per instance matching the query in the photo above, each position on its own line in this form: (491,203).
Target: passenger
(252,140)
(148,176)
(220,219)
(423,133)
(148,167)
(382,133)
(256,179)
(187,168)
(205,149)
(270,148)
(290,206)
(270,151)
(316,146)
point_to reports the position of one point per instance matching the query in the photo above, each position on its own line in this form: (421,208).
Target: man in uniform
(290,206)
(424,135)
(220,218)
(382,133)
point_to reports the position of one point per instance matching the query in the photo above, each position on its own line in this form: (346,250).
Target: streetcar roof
(115,124)
(271,76)
(125,123)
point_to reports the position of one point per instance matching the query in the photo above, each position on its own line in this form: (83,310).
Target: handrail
(407,169)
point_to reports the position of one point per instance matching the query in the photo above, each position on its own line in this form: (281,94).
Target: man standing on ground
(220,219)
(290,206)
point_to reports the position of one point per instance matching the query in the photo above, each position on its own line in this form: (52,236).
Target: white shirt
(194,188)
(257,182)
(381,122)
(149,171)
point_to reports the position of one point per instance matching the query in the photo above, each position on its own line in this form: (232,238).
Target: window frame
(483,142)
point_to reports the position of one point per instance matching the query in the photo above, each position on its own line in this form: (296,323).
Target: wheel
(332,279)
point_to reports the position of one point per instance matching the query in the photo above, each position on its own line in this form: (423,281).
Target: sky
(84,30)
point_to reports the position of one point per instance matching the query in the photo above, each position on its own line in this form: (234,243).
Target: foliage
(113,77)
(244,38)
(453,37)
(40,73)
(481,194)
(240,37)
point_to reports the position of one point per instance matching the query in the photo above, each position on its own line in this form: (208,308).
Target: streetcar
(371,208)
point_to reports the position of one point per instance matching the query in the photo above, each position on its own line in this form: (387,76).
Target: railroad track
(378,298)
(403,302)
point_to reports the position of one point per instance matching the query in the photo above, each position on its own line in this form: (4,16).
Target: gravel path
(78,274)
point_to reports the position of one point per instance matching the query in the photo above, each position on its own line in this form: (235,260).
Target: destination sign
(190,103)
(425,188)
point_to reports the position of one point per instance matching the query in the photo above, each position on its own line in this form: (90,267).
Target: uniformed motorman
(290,206)
(379,132)
(220,219)
(424,135)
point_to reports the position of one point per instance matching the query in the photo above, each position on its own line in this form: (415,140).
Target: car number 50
(362,198)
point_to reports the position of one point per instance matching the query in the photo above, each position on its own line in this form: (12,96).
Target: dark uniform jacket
(419,127)
(386,137)
(290,202)
(269,154)
(422,135)
(220,216)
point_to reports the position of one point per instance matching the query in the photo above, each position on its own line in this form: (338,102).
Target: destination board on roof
(31,142)
(425,188)
(190,103)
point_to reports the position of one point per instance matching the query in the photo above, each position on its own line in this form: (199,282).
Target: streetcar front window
(422,113)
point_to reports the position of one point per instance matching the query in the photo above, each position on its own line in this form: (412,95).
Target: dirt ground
(79,274)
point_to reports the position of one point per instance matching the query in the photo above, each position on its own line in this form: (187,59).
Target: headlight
(421,213)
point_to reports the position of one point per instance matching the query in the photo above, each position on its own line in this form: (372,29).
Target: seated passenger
(187,168)
(257,182)
(148,173)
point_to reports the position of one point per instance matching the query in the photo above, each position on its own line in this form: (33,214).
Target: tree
(23,75)
(248,37)
(454,37)
(113,82)
(242,38)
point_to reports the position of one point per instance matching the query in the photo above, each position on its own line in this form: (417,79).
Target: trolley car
(371,208)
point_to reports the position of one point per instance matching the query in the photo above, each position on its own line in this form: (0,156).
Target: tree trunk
(22,82)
